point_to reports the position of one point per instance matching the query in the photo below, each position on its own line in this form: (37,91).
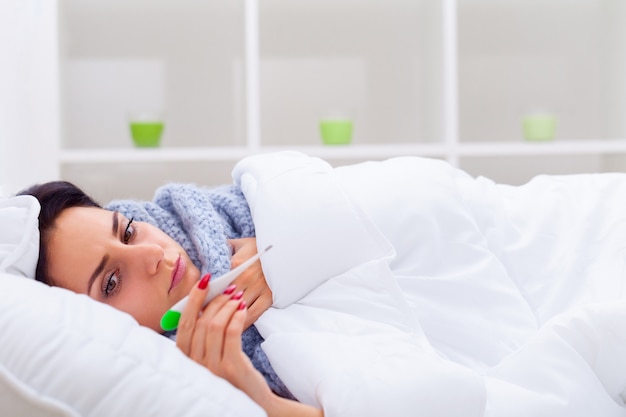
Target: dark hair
(54,197)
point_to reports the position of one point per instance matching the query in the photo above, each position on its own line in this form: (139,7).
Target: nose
(146,258)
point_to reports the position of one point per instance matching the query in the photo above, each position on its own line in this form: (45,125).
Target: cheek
(143,304)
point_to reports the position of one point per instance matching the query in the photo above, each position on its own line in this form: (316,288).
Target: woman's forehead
(85,213)
(86,219)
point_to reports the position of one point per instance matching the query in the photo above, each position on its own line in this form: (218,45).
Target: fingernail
(242,305)
(237,296)
(230,289)
(204,281)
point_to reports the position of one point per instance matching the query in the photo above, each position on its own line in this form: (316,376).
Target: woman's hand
(257,294)
(212,338)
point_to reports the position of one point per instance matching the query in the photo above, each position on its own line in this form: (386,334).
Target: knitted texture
(201,220)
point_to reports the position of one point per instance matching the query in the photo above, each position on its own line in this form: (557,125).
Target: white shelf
(90,156)
(552,148)
(449,151)
(436,78)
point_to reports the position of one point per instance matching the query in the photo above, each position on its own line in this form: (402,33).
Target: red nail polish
(242,305)
(204,282)
(230,289)
(237,296)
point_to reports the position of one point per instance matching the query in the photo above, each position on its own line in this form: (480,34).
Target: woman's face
(132,266)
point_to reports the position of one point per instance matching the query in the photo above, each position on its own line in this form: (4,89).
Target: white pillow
(19,239)
(64,354)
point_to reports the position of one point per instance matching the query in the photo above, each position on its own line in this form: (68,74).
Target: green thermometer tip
(169,321)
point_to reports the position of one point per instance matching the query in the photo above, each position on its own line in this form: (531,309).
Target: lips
(177,273)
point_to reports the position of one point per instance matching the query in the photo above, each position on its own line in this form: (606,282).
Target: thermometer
(170,319)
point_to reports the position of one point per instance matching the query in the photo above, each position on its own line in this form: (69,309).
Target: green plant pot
(540,127)
(336,132)
(146,134)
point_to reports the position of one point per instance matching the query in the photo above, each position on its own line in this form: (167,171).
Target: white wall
(29,93)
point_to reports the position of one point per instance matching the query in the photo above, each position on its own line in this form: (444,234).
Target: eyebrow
(105,258)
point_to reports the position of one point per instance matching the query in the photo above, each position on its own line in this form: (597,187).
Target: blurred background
(504,89)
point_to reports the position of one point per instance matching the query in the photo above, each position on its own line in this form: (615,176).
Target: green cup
(539,127)
(146,132)
(336,131)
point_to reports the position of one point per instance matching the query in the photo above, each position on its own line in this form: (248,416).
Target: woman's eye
(128,232)
(111,283)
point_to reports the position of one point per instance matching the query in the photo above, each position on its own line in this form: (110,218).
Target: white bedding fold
(286,216)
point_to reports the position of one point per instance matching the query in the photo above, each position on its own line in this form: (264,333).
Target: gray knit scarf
(201,220)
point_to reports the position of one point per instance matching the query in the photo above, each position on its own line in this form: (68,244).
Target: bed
(401,287)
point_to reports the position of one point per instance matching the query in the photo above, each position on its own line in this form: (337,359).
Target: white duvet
(407,287)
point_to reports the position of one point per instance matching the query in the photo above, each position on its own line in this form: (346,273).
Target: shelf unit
(443,151)
(448,79)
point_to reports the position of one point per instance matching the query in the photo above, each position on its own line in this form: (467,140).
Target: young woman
(136,267)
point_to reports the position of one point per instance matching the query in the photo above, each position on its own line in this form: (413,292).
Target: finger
(235,244)
(258,306)
(251,278)
(216,326)
(189,315)
(243,249)
(246,280)
(232,342)
(197,350)
(248,242)
(201,328)
(252,296)
(256,288)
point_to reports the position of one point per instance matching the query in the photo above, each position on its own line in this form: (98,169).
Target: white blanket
(407,287)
